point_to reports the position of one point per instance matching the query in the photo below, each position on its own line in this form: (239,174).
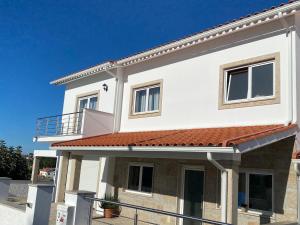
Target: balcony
(73,126)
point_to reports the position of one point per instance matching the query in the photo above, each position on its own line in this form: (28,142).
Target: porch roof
(202,137)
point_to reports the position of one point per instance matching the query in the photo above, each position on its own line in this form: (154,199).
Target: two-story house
(203,126)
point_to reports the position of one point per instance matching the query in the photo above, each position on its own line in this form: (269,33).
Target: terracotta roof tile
(226,136)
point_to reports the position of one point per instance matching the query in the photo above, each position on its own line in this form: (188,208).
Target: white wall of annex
(191,89)
(89,173)
(90,85)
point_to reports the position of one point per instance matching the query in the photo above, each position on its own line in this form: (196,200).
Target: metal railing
(65,124)
(157,211)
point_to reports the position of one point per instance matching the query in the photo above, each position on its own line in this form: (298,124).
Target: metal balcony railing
(59,125)
(196,220)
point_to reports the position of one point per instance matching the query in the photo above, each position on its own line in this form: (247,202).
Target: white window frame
(88,97)
(147,88)
(139,191)
(249,93)
(259,172)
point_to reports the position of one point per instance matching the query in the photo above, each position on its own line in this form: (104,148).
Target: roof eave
(264,17)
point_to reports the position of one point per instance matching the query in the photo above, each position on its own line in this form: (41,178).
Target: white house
(204,126)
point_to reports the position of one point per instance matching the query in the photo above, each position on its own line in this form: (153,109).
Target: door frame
(181,201)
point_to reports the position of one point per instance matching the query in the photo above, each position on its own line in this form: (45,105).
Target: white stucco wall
(191,85)
(90,85)
(89,174)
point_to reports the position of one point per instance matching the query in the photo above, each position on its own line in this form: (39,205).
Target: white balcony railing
(73,125)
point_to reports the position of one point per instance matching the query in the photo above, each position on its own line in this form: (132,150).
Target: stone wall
(167,185)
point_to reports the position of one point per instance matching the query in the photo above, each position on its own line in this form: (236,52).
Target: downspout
(289,86)
(224,177)
(118,99)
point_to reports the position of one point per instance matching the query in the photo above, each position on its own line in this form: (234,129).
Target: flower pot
(108,213)
(116,212)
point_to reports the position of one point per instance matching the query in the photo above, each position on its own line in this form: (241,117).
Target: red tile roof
(226,136)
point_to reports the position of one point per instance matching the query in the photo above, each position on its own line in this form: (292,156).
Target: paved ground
(100,220)
(126,221)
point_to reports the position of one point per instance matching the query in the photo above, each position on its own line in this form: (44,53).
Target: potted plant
(110,210)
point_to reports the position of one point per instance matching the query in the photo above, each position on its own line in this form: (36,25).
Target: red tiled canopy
(226,136)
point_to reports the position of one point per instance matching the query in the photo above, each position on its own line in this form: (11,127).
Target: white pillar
(107,170)
(4,188)
(74,169)
(82,207)
(232,193)
(35,170)
(38,204)
(61,176)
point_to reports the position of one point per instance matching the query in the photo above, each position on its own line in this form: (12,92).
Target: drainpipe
(118,99)
(291,75)
(224,177)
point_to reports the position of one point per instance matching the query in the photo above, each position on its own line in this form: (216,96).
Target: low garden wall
(19,188)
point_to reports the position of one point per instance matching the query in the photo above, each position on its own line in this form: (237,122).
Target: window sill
(145,194)
(145,114)
(250,102)
(254,212)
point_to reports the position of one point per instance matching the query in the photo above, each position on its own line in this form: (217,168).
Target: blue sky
(44,39)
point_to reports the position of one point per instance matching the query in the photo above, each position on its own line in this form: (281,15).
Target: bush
(12,163)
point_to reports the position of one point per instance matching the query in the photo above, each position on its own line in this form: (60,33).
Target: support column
(74,173)
(232,193)
(38,204)
(62,177)
(106,179)
(35,170)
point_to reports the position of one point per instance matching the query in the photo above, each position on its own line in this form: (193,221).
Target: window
(140,178)
(87,102)
(146,99)
(256,191)
(250,82)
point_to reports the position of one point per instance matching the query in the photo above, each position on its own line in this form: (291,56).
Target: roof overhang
(219,153)
(260,142)
(241,24)
(186,152)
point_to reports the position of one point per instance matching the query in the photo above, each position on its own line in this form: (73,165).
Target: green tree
(12,163)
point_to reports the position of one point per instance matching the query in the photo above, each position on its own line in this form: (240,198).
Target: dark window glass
(260,192)
(262,80)
(134,176)
(242,190)
(153,99)
(147,179)
(140,101)
(237,84)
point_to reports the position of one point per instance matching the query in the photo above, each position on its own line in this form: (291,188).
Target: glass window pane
(242,190)
(153,100)
(82,104)
(237,84)
(140,101)
(93,103)
(260,192)
(262,80)
(134,176)
(147,179)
